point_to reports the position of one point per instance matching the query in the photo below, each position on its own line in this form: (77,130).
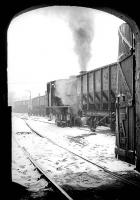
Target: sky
(55,42)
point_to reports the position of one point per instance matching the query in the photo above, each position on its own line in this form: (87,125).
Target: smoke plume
(81,24)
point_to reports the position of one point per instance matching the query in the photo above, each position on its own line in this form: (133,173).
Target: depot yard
(75,175)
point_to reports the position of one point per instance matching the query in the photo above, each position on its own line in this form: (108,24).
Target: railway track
(113,174)
(61,193)
(47,122)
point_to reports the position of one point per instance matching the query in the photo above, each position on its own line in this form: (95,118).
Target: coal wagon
(97,93)
(21,106)
(39,104)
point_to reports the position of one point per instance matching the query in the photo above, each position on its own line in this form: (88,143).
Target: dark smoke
(81,24)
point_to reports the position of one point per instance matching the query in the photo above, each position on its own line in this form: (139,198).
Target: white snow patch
(64,167)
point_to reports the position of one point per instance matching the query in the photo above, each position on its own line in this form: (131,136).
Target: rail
(36,164)
(85,159)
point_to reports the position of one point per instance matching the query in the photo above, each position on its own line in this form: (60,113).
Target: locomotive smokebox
(83,72)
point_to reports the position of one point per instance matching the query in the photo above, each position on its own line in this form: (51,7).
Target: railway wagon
(39,105)
(97,93)
(21,106)
(42,104)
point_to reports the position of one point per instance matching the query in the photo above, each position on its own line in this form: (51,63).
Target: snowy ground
(97,147)
(65,168)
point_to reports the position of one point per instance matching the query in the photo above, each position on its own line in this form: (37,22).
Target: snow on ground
(63,167)
(23,171)
(97,147)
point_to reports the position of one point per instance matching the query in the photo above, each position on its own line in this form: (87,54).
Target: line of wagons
(87,99)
